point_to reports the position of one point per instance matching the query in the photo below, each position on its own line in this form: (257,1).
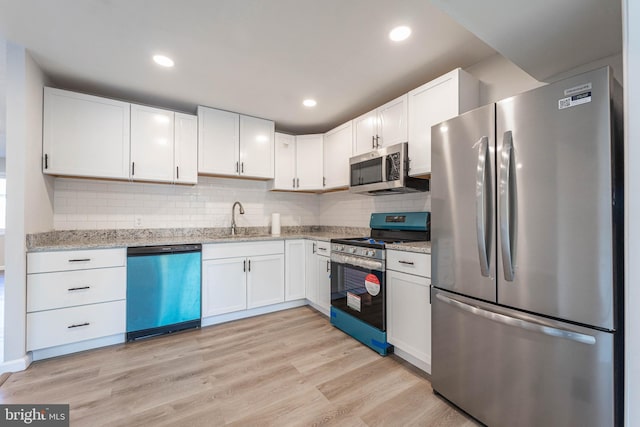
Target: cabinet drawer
(68,325)
(46,291)
(323,248)
(242,249)
(409,262)
(43,262)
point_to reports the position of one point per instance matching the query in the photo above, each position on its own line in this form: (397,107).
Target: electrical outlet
(138,220)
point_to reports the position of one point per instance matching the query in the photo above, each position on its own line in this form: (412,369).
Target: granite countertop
(420,247)
(96,239)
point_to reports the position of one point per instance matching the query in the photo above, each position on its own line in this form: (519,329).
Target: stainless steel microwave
(384,171)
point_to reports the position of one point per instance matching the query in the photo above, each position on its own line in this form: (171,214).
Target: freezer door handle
(483,198)
(519,323)
(507,206)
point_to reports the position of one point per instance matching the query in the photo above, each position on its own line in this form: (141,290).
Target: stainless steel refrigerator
(527,256)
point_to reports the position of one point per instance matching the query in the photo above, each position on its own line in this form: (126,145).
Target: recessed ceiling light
(400,33)
(309,103)
(163,60)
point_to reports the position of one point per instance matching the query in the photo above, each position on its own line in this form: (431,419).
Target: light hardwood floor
(290,368)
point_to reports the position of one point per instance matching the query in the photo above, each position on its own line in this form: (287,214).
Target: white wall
(29,193)
(631,46)
(501,78)
(90,204)
(354,210)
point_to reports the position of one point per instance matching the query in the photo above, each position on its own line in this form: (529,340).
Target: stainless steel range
(358,289)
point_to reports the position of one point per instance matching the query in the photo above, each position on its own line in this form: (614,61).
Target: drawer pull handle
(79,289)
(80,260)
(78,325)
(405,262)
(322,249)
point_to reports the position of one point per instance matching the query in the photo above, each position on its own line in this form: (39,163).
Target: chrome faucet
(233,216)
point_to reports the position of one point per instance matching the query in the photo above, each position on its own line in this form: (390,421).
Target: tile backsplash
(93,204)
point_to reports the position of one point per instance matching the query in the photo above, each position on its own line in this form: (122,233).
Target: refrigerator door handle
(483,195)
(507,206)
(519,323)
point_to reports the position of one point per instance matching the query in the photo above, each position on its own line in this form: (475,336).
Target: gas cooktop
(386,228)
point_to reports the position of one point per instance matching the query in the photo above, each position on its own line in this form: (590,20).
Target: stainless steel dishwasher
(163,289)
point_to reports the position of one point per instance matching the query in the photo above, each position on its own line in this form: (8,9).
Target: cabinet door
(294,267)
(85,135)
(441,99)
(324,282)
(311,265)
(186,149)
(224,286)
(151,144)
(392,122)
(337,150)
(256,147)
(265,280)
(409,314)
(364,133)
(218,141)
(309,152)
(285,162)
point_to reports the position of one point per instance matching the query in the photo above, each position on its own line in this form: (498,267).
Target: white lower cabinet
(265,280)
(224,286)
(69,325)
(240,276)
(295,270)
(318,282)
(408,307)
(75,297)
(324,282)
(311,271)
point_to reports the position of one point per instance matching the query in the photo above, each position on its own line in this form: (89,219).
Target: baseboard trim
(237,315)
(76,347)
(420,364)
(16,365)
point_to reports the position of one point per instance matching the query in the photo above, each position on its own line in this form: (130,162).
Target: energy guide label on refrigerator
(353,302)
(572,101)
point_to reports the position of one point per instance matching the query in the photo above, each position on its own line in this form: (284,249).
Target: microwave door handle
(507,206)
(483,196)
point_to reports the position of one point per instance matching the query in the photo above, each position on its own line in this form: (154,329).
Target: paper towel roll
(275,224)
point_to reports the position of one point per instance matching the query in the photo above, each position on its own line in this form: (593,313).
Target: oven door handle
(371,264)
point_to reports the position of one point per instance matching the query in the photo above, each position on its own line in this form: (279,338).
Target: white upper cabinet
(231,144)
(364,132)
(256,147)
(384,126)
(152,146)
(186,149)
(85,135)
(337,150)
(392,122)
(298,162)
(441,99)
(285,162)
(309,152)
(218,142)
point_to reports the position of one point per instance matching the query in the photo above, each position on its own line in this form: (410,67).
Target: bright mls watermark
(34,415)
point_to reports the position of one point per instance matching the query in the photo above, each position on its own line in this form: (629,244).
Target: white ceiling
(543,37)
(255,57)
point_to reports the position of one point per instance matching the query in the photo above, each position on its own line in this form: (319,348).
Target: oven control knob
(339,248)
(352,250)
(371,252)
